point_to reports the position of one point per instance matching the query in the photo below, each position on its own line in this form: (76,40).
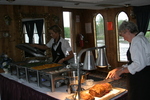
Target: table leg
(52,83)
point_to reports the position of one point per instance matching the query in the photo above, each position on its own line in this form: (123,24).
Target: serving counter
(12,88)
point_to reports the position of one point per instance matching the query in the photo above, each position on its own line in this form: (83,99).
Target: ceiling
(79,4)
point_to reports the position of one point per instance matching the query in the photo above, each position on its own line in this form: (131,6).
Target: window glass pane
(66,20)
(122,44)
(36,38)
(35,29)
(99,26)
(148,32)
(44,37)
(26,38)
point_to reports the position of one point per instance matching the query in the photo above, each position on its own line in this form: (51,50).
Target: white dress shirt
(140,53)
(65,47)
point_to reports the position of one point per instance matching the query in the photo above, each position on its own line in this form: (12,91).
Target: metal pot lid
(31,50)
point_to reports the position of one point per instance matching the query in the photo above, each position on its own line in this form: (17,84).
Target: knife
(105,81)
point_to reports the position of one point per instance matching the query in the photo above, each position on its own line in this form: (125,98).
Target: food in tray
(46,66)
(85,95)
(98,90)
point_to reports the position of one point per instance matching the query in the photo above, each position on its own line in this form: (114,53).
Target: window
(122,44)
(99,30)
(147,35)
(38,38)
(34,32)
(66,20)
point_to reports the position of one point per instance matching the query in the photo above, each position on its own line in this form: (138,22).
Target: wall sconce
(89,58)
(4,34)
(55,19)
(132,14)
(7,19)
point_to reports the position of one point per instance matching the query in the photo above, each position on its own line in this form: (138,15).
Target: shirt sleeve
(66,47)
(49,44)
(138,56)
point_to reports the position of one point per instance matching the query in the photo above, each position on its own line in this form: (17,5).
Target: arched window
(99,30)
(122,44)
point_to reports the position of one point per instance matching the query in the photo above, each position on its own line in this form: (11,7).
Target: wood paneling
(110,35)
(7,45)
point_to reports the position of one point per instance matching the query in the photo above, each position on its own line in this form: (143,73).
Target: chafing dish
(31,50)
(52,75)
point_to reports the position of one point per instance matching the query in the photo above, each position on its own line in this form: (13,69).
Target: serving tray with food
(99,91)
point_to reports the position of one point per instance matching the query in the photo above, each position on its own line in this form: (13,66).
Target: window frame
(26,38)
(118,37)
(95,31)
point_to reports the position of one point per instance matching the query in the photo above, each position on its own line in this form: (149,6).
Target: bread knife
(106,80)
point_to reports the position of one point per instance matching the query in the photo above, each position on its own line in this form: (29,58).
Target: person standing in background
(60,48)
(138,67)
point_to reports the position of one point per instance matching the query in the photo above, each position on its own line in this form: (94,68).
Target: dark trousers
(139,85)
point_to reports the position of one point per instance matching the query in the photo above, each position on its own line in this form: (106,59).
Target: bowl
(89,82)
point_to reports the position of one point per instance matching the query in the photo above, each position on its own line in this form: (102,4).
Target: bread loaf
(100,90)
(85,95)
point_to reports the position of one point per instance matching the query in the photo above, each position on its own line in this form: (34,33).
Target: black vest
(58,53)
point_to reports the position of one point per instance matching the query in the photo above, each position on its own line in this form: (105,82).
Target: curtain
(142,16)
(30,30)
(39,26)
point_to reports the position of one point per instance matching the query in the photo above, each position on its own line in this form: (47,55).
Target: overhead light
(76,3)
(127,5)
(10,0)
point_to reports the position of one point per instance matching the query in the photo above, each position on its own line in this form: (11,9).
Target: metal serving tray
(20,68)
(51,74)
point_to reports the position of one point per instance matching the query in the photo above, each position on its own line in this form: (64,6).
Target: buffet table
(12,88)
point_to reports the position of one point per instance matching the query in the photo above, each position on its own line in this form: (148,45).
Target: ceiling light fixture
(10,0)
(127,5)
(77,3)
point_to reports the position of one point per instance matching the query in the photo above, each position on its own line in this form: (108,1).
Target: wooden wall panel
(7,45)
(110,35)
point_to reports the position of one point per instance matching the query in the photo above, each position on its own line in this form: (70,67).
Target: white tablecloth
(60,92)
